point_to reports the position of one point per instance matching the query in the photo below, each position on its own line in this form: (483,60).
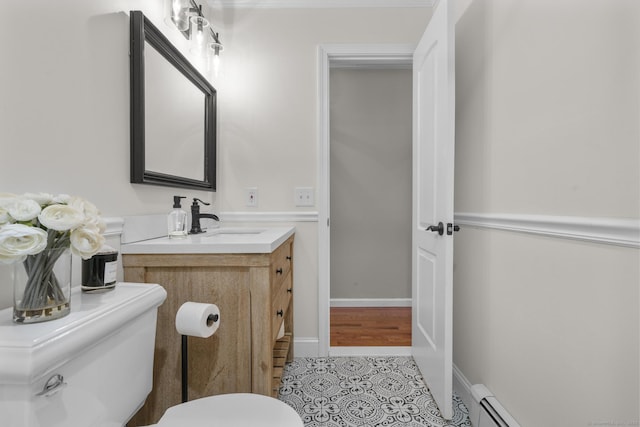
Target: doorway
(370,205)
(365,209)
(433,147)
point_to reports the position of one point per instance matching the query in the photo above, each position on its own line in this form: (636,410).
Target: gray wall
(547,113)
(370,163)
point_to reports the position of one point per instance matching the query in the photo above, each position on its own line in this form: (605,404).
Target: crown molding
(316,4)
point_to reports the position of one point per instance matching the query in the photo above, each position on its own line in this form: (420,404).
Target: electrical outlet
(252,197)
(303,196)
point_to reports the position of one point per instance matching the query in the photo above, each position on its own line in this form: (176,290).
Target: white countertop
(224,240)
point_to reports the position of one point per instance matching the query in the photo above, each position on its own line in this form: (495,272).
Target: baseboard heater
(486,411)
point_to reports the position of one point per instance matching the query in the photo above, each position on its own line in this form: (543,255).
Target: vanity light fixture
(199,36)
(180,11)
(213,52)
(187,16)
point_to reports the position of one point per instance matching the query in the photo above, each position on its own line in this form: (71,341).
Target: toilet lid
(236,409)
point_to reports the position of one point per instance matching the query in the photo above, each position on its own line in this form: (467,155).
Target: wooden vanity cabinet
(254,293)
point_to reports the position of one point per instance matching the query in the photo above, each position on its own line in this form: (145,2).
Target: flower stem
(43,288)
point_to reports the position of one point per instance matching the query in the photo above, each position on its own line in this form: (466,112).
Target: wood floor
(370,326)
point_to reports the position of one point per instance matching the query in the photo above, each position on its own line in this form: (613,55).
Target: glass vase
(42,286)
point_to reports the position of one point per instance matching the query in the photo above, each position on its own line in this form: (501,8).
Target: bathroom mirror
(173,114)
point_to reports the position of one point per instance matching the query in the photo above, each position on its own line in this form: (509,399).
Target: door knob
(451,228)
(439,228)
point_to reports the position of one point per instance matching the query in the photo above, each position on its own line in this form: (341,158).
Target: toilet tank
(92,368)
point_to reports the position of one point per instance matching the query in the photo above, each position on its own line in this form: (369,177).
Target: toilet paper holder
(211,319)
(185,369)
(184,350)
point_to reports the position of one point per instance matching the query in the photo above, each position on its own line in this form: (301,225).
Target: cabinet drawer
(282,259)
(280,305)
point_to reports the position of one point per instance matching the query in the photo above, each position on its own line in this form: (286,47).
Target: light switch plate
(303,196)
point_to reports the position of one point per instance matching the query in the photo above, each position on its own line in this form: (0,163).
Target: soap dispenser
(177,220)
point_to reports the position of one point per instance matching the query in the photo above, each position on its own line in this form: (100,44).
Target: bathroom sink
(232,232)
(215,240)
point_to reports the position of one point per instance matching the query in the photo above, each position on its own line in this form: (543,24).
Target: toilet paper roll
(197,319)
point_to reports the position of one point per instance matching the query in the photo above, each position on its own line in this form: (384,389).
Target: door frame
(348,55)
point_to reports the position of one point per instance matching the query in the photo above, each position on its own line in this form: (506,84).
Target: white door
(432,222)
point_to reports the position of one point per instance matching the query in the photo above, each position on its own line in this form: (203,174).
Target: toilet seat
(235,409)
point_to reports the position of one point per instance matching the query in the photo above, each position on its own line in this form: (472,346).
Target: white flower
(19,240)
(24,209)
(61,217)
(62,213)
(62,198)
(97,223)
(86,241)
(5,218)
(6,199)
(90,211)
(40,198)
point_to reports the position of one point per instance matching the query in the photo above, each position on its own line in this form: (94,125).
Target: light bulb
(199,34)
(214,57)
(180,14)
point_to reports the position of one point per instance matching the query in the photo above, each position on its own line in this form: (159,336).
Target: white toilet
(93,368)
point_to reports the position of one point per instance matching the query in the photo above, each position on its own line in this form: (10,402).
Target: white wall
(64,115)
(370,182)
(64,106)
(547,124)
(268,113)
(64,109)
(268,92)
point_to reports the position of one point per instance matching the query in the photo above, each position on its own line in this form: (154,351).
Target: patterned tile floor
(364,392)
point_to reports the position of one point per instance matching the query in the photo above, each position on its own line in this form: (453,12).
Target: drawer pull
(279,271)
(280,313)
(289,257)
(290,290)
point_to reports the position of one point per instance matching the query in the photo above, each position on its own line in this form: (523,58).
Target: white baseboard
(472,395)
(370,351)
(370,302)
(462,387)
(306,347)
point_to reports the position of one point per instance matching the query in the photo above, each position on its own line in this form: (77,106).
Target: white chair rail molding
(612,231)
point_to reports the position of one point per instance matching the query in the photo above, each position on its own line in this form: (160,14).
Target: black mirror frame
(143,30)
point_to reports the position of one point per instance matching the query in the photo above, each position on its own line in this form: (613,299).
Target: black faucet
(196,215)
